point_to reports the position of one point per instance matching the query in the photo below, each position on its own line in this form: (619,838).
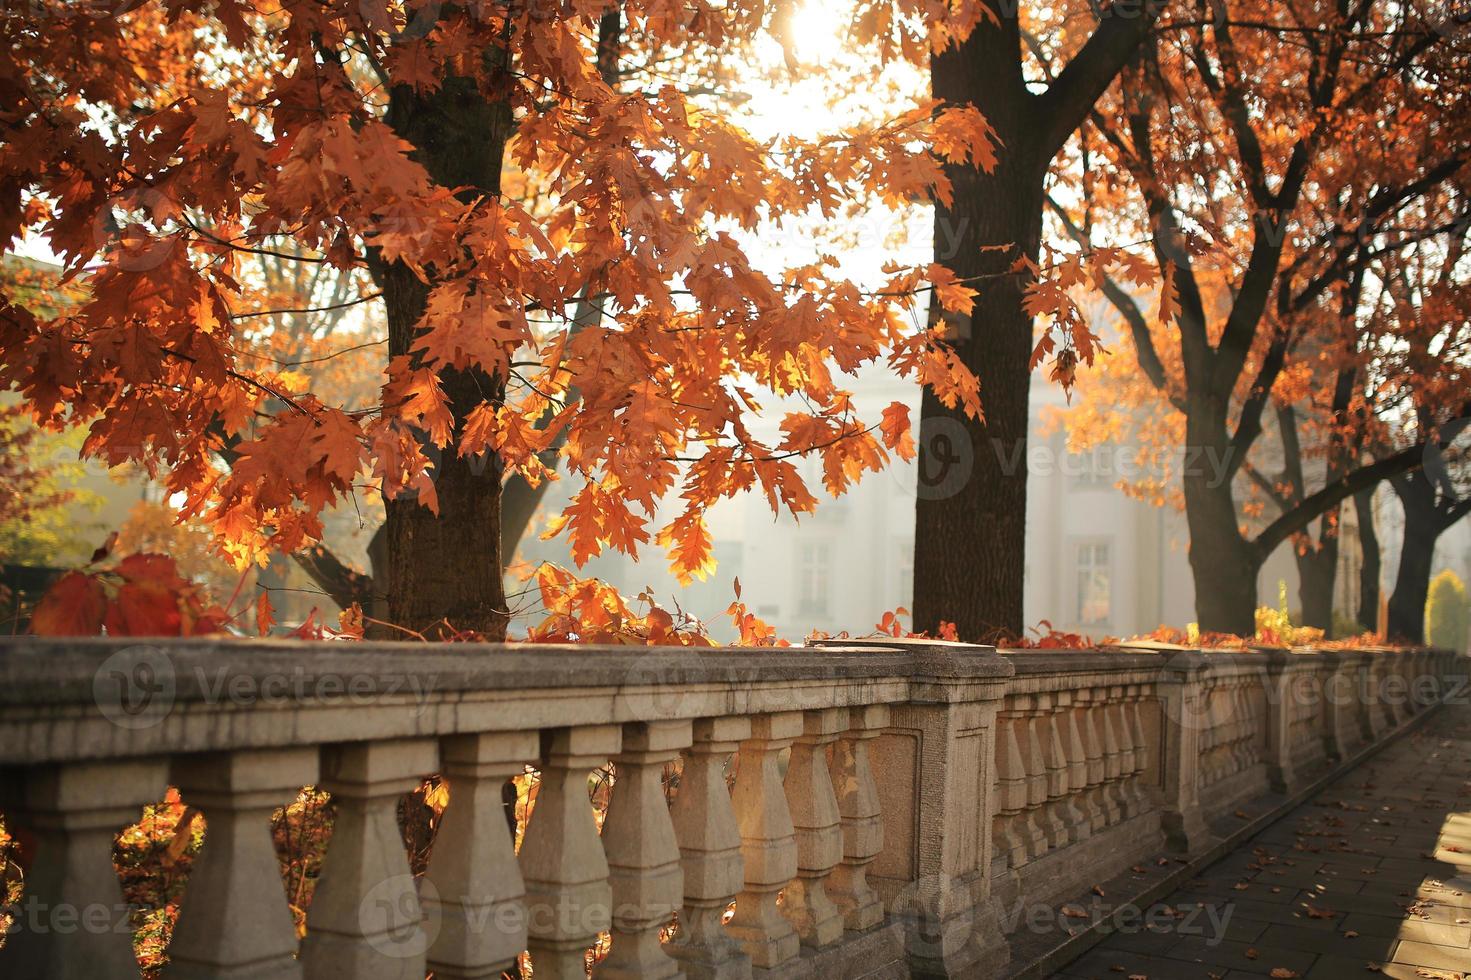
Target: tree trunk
(1317,573)
(1224,565)
(970,515)
(444,571)
(1412,583)
(1369,568)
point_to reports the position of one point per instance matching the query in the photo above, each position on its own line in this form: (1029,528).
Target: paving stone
(1238,956)
(1418,930)
(1351,967)
(1330,942)
(1428,954)
(1102,964)
(1387,849)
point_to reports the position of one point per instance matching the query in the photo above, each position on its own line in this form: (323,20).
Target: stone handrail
(888,796)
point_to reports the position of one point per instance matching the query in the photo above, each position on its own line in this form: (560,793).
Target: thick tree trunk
(970,522)
(1369,568)
(1317,573)
(444,571)
(1223,563)
(1412,583)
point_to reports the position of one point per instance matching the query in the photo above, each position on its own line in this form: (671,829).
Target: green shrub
(1447,612)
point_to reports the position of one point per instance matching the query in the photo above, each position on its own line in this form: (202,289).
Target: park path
(1369,878)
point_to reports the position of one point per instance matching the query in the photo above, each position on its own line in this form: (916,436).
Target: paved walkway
(1372,877)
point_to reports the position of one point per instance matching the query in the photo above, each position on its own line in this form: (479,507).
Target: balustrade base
(1223,796)
(1073,869)
(874,954)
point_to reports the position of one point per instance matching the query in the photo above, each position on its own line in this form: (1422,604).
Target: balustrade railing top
(858,804)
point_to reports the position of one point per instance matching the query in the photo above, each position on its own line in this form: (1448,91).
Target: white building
(1098,562)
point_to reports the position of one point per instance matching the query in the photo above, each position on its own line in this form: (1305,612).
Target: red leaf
(73,606)
(145,608)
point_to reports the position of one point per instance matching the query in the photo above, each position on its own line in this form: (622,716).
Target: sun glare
(817,31)
(804,57)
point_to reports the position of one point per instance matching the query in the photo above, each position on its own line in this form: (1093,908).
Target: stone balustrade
(856,808)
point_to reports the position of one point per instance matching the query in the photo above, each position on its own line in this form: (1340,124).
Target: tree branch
(1067,101)
(1127,307)
(1457,511)
(342,584)
(1314,506)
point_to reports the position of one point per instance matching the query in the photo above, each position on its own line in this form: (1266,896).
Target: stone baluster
(1133,710)
(1389,689)
(643,855)
(1117,700)
(768,841)
(1011,794)
(1248,726)
(1205,735)
(1337,707)
(1093,747)
(710,853)
(1396,689)
(1217,733)
(1040,832)
(568,898)
(1374,711)
(1062,813)
(1415,674)
(235,919)
(1277,682)
(1112,760)
(473,893)
(1227,711)
(1128,799)
(1077,767)
(1422,680)
(1255,720)
(1183,689)
(365,920)
(72,923)
(862,823)
(813,806)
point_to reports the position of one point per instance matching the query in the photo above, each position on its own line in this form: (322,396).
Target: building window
(813,578)
(1089,472)
(1095,584)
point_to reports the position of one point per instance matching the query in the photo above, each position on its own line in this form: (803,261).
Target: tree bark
(443,572)
(1412,582)
(1317,573)
(1224,564)
(1371,563)
(970,516)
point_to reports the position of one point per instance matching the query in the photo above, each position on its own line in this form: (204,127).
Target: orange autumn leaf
(143,595)
(897,431)
(73,606)
(264,615)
